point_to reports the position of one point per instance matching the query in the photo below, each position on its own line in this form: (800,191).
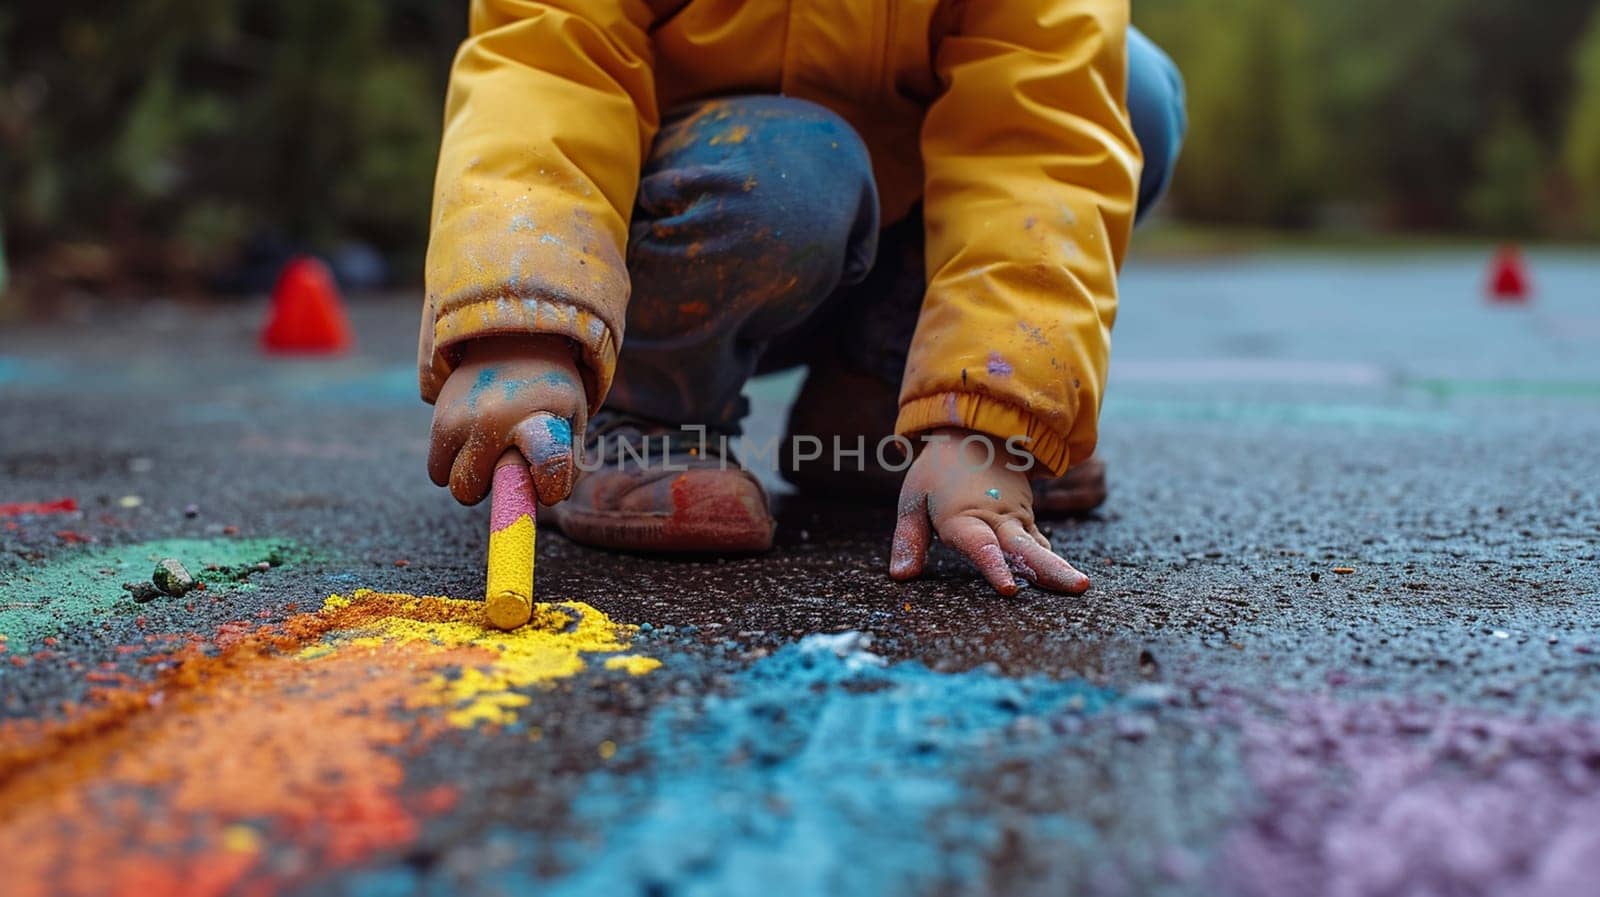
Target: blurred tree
(1507,195)
(1581,149)
(180,130)
(168,137)
(1430,111)
(1255,145)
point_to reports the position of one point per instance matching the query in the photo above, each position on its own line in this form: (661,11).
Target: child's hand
(979,508)
(509,391)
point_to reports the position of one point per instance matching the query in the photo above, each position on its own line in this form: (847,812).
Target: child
(928,196)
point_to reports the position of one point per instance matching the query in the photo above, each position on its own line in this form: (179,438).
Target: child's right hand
(522,392)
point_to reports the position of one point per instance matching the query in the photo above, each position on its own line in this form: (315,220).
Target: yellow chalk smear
(549,648)
(241,839)
(634,664)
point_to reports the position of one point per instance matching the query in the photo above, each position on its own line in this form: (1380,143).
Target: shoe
(836,402)
(1075,493)
(651,488)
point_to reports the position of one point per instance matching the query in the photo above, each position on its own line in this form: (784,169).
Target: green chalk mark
(1280,413)
(71,591)
(1545,389)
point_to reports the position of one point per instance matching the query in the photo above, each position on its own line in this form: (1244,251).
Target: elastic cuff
(986,414)
(510,316)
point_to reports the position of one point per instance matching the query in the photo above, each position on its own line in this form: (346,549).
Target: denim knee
(1156,106)
(756,174)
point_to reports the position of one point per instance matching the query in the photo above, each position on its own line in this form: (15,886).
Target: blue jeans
(755,245)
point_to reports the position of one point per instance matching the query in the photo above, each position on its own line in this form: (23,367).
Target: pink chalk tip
(512,496)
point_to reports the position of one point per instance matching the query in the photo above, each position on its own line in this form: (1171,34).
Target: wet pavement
(1223,713)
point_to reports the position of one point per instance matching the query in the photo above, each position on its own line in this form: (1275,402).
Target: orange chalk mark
(261,741)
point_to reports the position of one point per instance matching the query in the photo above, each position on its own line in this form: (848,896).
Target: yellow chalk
(508,592)
(508,610)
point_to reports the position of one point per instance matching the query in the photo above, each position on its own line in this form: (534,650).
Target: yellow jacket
(1007,117)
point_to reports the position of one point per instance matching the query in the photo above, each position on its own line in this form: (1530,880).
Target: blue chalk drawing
(824,769)
(27,372)
(390,385)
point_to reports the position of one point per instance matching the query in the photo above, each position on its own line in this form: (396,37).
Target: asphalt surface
(1223,713)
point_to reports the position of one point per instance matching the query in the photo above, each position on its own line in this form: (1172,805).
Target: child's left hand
(981,509)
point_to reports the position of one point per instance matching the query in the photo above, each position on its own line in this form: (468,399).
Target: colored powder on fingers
(486,379)
(560,430)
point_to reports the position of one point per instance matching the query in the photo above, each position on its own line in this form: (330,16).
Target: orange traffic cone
(1508,277)
(307,313)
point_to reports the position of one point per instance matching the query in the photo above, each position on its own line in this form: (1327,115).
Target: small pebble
(402,563)
(142,592)
(1135,728)
(230,531)
(263,566)
(172,577)
(1149,695)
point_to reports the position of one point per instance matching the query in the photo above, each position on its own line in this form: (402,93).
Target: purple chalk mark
(1391,798)
(998,367)
(512,496)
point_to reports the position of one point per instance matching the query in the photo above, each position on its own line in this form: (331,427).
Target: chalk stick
(508,593)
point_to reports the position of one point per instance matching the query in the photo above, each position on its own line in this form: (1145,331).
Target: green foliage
(1251,104)
(1436,114)
(1581,150)
(1506,196)
(188,128)
(203,123)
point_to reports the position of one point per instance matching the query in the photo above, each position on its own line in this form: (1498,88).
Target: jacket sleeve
(1032,179)
(550,112)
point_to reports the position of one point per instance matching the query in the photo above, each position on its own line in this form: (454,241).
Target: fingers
(977,541)
(1038,564)
(1044,542)
(473,471)
(443,444)
(547,442)
(912,535)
